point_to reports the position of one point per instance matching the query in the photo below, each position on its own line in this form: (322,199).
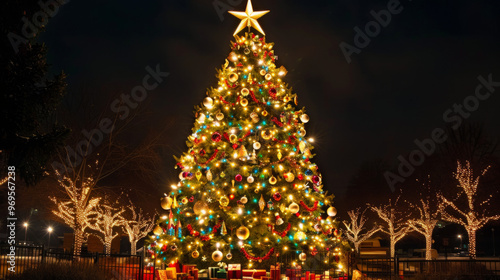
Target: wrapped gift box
(187,268)
(234,271)
(203,274)
(221,273)
(275,272)
(253,273)
(293,274)
(212,272)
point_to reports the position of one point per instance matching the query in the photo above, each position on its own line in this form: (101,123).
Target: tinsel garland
(314,208)
(197,234)
(285,232)
(231,86)
(254,98)
(276,121)
(290,140)
(209,159)
(250,257)
(227,102)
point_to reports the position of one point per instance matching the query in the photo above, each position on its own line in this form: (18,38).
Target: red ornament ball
(191,199)
(216,137)
(238,177)
(300,176)
(277,196)
(315,179)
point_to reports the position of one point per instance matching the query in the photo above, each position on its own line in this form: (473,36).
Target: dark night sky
(396,90)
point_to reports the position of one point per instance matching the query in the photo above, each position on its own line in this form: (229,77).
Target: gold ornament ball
(302,132)
(244,199)
(217,256)
(256,145)
(208,102)
(166,203)
(244,102)
(195,254)
(233,77)
(266,134)
(219,116)
(294,207)
(290,177)
(304,118)
(229,256)
(263,72)
(332,211)
(243,233)
(233,138)
(201,118)
(272,180)
(302,256)
(265,113)
(245,92)
(224,201)
(158,230)
(250,179)
(200,206)
(268,77)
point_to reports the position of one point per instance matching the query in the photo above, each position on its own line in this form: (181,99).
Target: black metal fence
(407,268)
(119,267)
(473,269)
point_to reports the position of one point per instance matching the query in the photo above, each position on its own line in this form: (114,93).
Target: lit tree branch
(137,227)
(356,226)
(396,228)
(107,219)
(469,218)
(78,209)
(425,224)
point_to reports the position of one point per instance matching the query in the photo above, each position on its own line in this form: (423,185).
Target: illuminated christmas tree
(248,190)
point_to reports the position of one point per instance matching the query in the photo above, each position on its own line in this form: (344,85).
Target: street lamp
(49,229)
(25,231)
(460,236)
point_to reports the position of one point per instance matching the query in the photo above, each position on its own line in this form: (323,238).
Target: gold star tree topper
(249,18)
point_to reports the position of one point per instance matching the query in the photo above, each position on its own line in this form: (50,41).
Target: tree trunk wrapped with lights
(248,190)
(395,223)
(78,209)
(355,228)
(472,215)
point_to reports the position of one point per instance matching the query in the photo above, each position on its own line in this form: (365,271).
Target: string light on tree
(427,218)
(395,225)
(247,180)
(137,227)
(474,215)
(78,208)
(108,218)
(356,226)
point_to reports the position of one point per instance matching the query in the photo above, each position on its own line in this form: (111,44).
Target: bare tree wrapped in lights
(108,219)
(137,227)
(425,223)
(474,216)
(356,226)
(396,227)
(79,209)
